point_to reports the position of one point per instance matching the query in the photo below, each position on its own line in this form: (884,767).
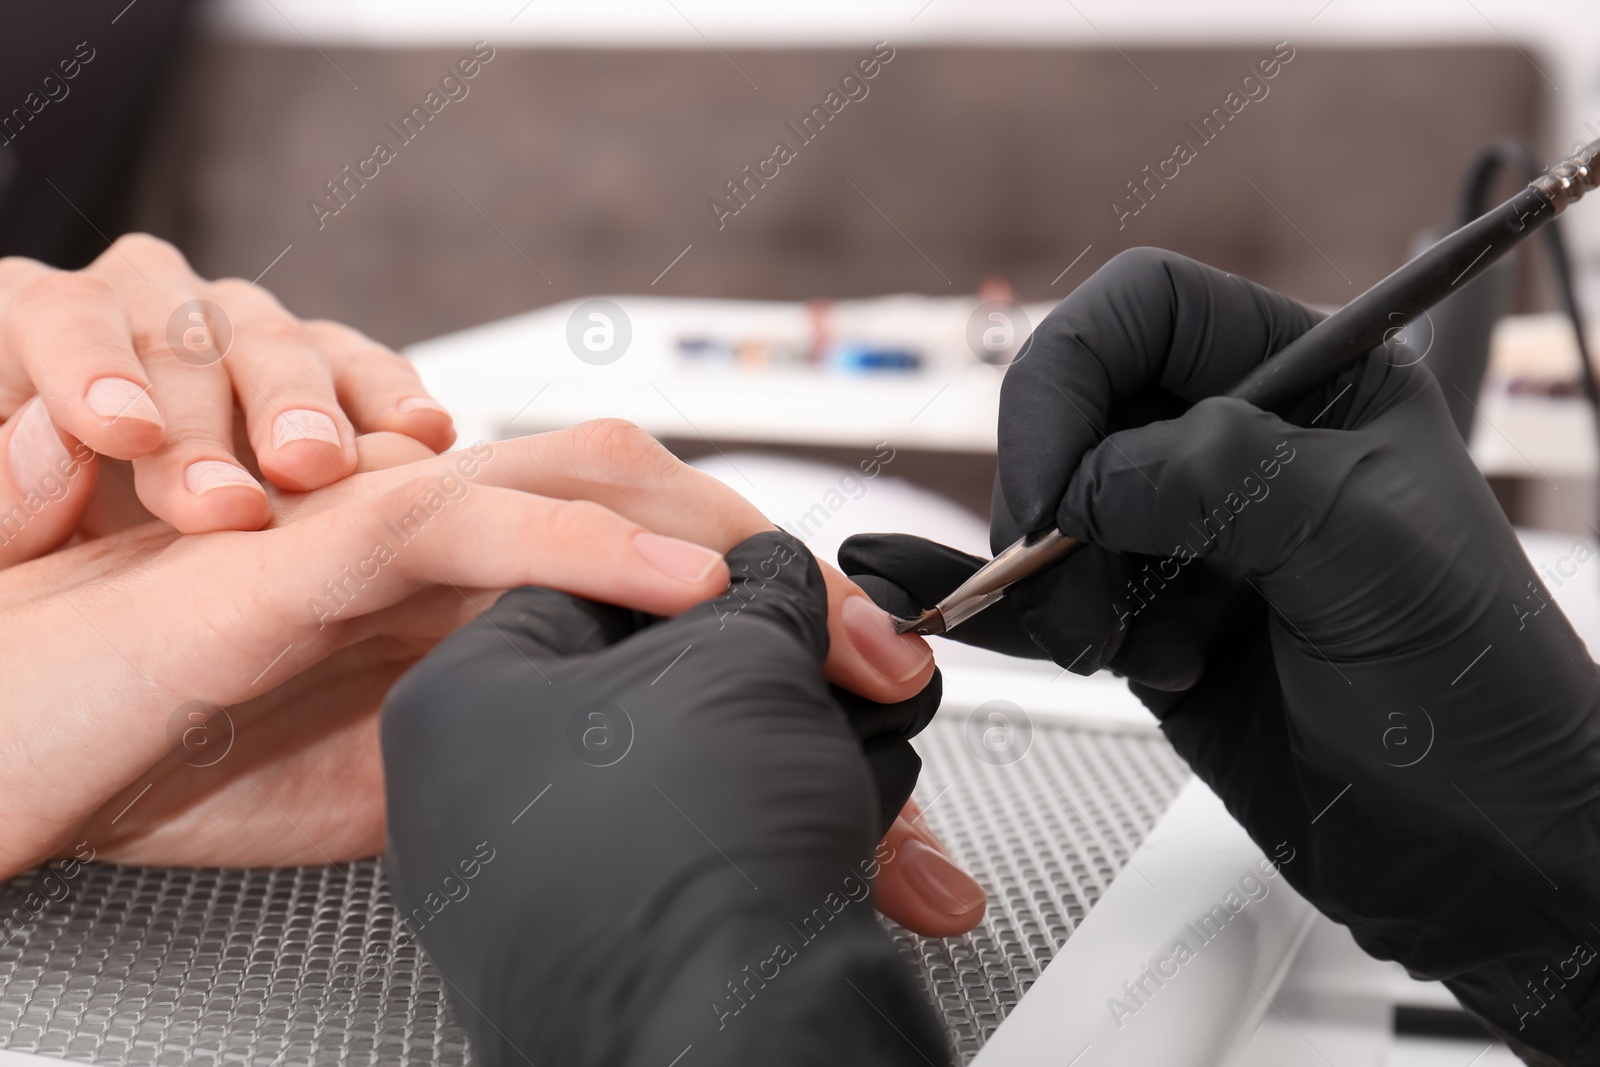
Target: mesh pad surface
(1044,836)
(153,966)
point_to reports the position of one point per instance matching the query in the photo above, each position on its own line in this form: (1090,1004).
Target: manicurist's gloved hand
(623,838)
(1330,616)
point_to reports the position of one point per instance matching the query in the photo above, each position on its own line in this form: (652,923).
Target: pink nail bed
(204,475)
(118,398)
(683,560)
(895,656)
(303,424)
(420,403)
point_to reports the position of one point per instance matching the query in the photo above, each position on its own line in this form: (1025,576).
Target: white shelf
(1541,438)
(690,24)
(519,376)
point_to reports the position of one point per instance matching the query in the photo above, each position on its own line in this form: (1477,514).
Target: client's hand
(298,630)
(115,647)
(1330,616)
(136,357)
(621,838)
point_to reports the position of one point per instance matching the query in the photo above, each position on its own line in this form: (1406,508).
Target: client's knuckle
(576,522)
(278,328)
(337,338)
(248,302)
(615,451)
(149,249)
(62,287)
(18,271)
(230,289)
(407,500)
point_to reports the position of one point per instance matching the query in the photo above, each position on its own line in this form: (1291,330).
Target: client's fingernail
(938,881)
(303,424)
(204,475)
(683,560)
(420,403)
(36,452)
(118,398)
(896,656)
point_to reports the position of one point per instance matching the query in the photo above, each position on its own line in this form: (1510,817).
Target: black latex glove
(1325,600)
(620,837)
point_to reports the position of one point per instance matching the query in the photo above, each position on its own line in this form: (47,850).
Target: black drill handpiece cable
(1515,157)
(1453,261)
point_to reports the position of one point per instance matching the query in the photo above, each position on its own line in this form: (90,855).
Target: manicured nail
(303,424)
(420,403)
(204,475)
(937,881)
(118,398)
(683,560)
(36,454)
(896,656)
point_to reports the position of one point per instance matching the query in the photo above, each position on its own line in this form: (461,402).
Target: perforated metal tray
(152,966)
(1045,835)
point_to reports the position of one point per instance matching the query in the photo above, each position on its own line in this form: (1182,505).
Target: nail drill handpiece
(1321,352)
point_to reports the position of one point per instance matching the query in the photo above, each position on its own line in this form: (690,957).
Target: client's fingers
(69,333)
(45,483)
(866,655)
(616,464)
(380,451)
(379,389)
(16,388)
(434,529)
(299,433)
(193,481)
(334,574)
(919,886)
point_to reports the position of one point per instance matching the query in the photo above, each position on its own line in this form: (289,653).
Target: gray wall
(597,166)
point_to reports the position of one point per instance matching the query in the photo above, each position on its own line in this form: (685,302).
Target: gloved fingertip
(860,552)
(925,569)
(1164,649)
(1165,670)
(887,595)
(545,623)
(773,575)
(880,724)
(895,768)
(1070,609)
(1080,649)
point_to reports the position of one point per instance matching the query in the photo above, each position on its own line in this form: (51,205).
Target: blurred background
(1008,146)
(582,210)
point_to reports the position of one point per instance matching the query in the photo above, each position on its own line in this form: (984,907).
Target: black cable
(8,167)
(1507,154)
(1439,271)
